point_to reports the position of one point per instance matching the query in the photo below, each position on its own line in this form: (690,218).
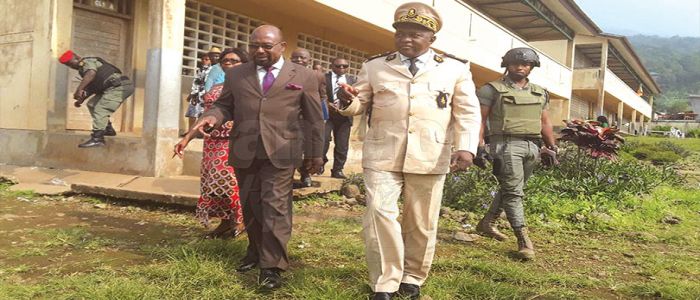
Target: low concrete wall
(123,154)
(684,126)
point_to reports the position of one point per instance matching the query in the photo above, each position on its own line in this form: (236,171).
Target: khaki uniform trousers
(400,252)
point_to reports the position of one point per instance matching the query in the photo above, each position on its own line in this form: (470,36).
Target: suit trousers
(339,126)
(266,197)
(400,252)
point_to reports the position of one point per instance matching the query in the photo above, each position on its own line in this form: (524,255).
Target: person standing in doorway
(108,88)
(337,124)
(514,111)
(424,123)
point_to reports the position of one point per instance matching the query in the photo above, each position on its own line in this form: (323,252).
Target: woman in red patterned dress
(219,196)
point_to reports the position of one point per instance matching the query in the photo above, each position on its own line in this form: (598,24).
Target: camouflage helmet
(521,54)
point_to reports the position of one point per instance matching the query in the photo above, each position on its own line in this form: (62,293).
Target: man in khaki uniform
(423,107)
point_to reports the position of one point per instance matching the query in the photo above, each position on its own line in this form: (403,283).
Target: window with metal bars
(324,51)
(209,26)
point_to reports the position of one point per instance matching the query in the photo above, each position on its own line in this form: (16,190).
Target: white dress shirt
(420,60)
(275,70)
(336,80)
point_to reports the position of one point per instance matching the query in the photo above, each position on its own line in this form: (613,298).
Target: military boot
(109,131)
(97,139)
(525,249)
(487,227)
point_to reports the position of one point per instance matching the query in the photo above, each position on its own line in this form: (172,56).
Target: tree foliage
(675,64)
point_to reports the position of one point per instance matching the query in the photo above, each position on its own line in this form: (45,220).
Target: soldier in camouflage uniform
(514,114)
(109,87)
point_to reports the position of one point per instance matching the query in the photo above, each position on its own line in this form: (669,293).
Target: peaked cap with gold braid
(418,13)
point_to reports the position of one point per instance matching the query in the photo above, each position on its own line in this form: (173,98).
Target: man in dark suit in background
(265,99)
(337,124)
(302,57)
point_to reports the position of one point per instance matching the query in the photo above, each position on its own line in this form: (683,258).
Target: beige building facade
(158,42)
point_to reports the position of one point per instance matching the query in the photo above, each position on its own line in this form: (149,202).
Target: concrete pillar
(166,21)
(620,108)
(570,53)
(61,30)
(633,121)
(600,104)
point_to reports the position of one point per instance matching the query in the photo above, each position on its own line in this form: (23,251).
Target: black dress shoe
(270,278)
(245,267)
(338,174)
(410,291)
(381,296)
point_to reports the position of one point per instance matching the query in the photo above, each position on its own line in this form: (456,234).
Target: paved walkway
(177,189)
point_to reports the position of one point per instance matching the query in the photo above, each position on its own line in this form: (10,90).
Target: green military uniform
(514,125)
(107,101)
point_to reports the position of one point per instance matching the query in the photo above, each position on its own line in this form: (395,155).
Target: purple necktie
(268,80)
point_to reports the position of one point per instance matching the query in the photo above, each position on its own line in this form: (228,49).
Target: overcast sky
(650,17)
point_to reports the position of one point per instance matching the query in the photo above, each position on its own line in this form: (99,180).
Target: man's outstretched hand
(346,92)
(313,165)
(205,124)
(461,161)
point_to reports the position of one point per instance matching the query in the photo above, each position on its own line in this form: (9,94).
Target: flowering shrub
(593,139)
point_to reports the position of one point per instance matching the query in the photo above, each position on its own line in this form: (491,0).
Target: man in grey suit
(265,99)
(337,124)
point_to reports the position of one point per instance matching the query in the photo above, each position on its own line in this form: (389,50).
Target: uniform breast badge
(442,99)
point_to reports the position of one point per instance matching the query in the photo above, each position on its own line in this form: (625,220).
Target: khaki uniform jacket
(409,130)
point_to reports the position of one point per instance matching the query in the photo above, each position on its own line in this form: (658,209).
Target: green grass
(691,144)
(328,263)
(634,255)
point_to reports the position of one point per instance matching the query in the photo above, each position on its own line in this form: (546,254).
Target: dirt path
(66,235)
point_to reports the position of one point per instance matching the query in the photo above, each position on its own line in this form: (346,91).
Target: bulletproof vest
(517,112)
(99,84)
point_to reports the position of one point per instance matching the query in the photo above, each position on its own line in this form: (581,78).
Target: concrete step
(183,190)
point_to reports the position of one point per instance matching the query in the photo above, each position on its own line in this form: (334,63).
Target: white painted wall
(465,33)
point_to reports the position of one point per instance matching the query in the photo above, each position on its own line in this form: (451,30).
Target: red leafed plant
(591,137)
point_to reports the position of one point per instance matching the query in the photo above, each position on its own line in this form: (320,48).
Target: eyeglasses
(231,60)
(264,46)
(342,66)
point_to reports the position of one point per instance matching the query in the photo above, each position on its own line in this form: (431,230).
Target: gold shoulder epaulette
(379,55)
(462,60)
